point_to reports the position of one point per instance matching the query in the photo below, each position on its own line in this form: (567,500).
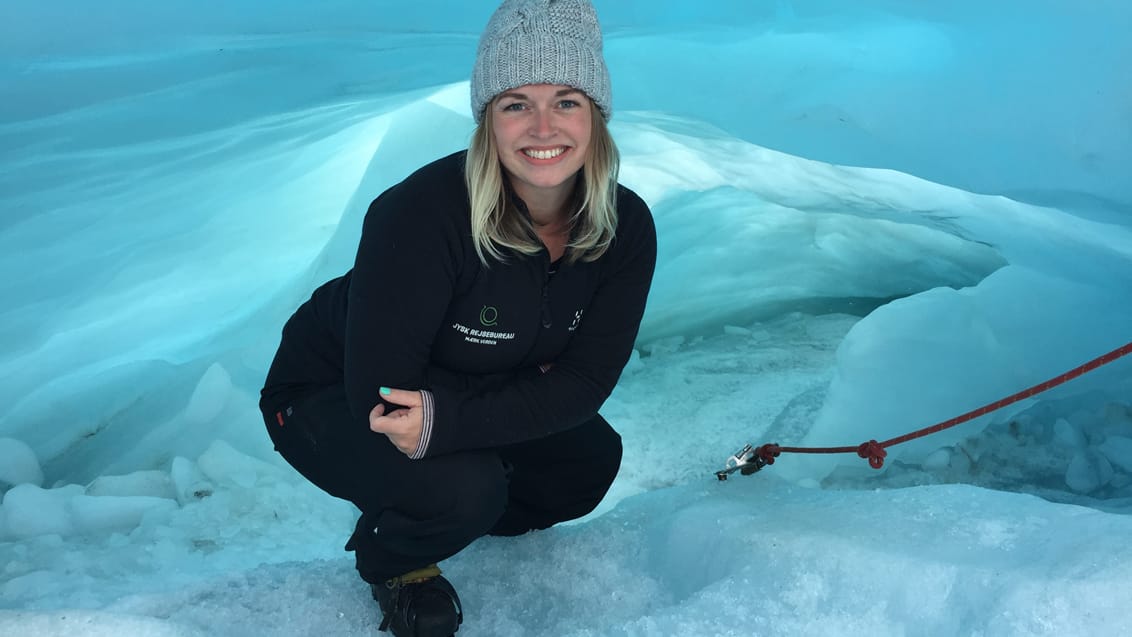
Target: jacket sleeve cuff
(428,412)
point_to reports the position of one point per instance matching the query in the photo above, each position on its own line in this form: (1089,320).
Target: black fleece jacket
(420,311)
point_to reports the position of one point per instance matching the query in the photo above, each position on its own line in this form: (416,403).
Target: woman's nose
(541,125)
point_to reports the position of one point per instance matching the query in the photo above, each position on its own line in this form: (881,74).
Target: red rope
(875,451)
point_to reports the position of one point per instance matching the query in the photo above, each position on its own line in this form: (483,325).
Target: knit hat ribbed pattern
(541,42)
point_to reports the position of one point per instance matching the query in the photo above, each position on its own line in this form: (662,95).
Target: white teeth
(544,154)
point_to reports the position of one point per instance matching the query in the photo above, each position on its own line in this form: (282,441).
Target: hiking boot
(420,603)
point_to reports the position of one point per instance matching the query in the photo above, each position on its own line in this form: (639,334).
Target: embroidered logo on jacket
(489,316)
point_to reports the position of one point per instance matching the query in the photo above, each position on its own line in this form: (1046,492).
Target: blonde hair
(498,225)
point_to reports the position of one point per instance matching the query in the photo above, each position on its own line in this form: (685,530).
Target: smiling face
(542,133)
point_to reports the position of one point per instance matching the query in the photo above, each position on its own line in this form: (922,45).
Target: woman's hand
(401,426)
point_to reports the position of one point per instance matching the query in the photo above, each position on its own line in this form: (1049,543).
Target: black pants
(418,512)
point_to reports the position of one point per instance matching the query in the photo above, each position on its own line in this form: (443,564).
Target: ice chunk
(961,462)
(735,330)
(1118,450)
(1067,435)
(188,482)
(30,511)
(209,397)
(1088,471)
(665,345)
(938,460)
(97,514)
(18,464)
(224,465)
(154,484)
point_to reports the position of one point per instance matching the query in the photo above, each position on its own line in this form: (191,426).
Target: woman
(449,384)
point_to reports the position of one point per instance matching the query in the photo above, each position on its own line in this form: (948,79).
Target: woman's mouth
(550,153)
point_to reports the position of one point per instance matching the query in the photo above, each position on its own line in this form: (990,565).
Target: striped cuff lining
(428,410)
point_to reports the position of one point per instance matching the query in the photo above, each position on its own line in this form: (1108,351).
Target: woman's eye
(514,106)
(568,104)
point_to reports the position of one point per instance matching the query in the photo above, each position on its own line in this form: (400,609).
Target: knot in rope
(874,452)
(769,452)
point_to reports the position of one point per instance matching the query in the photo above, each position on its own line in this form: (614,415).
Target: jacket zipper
(546,316)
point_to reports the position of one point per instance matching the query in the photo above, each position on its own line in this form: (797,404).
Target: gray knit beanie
(541,42)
